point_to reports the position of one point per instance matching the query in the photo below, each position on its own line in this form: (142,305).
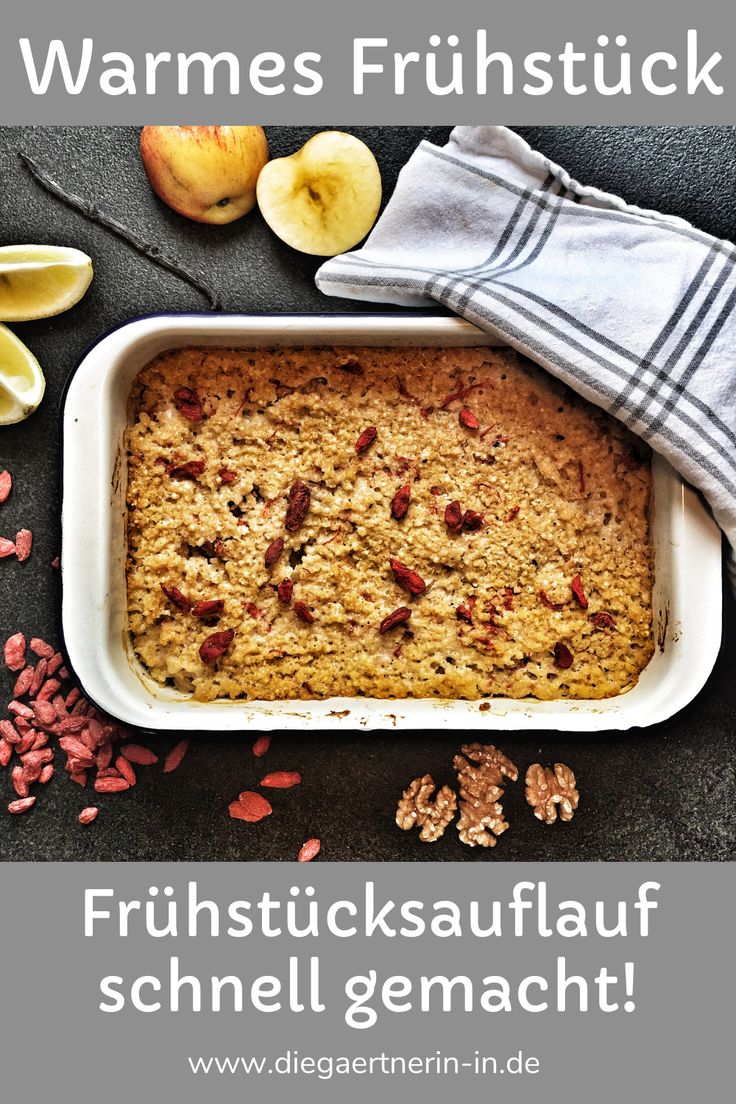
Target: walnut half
(482,770)
(548,788)
(418,809)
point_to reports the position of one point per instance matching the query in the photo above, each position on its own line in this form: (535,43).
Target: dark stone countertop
(660,793)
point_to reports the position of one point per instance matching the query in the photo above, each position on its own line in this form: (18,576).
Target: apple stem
(101,218)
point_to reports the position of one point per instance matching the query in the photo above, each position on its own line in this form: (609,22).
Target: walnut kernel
(548,788)
(418,809)
(482,769)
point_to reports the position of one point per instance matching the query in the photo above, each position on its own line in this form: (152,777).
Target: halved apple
(324,198)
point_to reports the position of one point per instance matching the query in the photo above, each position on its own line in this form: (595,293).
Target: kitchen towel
(634,310)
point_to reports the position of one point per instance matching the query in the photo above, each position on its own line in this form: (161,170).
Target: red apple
(206,173)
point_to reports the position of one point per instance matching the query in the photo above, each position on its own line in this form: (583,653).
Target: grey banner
(176,61)
(666,985)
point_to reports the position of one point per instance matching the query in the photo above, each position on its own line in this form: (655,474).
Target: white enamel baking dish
(686,542)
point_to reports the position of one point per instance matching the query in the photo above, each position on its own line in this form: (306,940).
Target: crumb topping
(504,520)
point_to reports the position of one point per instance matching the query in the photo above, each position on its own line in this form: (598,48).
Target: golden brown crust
(563,490)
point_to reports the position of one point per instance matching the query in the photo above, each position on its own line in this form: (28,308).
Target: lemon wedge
(22,382)
(38,281)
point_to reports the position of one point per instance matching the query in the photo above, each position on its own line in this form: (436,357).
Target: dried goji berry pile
(49,717)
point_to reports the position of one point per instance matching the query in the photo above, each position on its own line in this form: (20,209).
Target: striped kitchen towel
(634,310)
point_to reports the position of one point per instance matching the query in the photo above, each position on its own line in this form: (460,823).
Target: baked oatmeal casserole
(388,522)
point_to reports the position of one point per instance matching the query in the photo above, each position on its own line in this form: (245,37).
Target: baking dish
(687,550)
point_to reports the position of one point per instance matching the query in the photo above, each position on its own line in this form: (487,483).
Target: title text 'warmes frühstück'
(477,65)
